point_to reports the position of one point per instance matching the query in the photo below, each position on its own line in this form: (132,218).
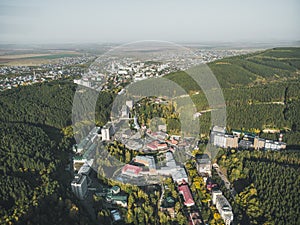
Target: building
(107,131)
(131,170)
(203,164)
(218,129)
(162,127)
(168,205)
(215,193)
(187,195)
(85,169)
(224,209)
(125,112)
(129,104)
(241,133)
(156,146)
(245,144)
(147,161)
(179,175)
(79,186)
(274,145)
(117,199)
(116,216)
(223,140)
(259,143)
(83,82)
(231,141)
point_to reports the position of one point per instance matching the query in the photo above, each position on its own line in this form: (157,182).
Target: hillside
(261,91)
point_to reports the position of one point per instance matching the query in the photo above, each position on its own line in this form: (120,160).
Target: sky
(98,21)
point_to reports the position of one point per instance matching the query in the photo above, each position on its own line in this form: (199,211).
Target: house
(187,195)
(168,205)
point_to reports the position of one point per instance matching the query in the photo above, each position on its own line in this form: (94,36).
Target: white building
(129,104)
(204,165)
(274,145)
(125,112)
(224,209)
(85,169)
(215,193)
(107,131)
(79,186)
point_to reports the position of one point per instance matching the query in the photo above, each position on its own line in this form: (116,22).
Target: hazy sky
(37,21)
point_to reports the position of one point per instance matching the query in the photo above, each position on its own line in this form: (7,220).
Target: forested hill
(271,65)
(34,152)
(261,91)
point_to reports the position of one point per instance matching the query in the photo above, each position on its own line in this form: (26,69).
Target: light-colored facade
(274,145)
(79,186)
(224,140)
(204,165)
(259,143)
(107,131)
(215,193)
(224,209)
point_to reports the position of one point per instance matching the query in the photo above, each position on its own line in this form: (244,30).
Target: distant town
(118,71)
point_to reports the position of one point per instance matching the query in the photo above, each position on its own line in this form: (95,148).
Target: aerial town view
(155,113)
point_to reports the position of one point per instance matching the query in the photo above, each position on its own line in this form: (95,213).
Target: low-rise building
(203,164)
(147,161)
(179,175)
(187,195)
(131,170)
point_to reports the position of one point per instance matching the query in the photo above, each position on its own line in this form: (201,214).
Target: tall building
(79,186)
(259,143)
(224,140)
(107,131)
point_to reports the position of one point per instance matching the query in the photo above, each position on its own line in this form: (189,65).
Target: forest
(261,91)
(266,184)
(34,149)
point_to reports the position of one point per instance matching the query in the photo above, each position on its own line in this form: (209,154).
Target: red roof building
(131,170)
(187,195)
(155,145)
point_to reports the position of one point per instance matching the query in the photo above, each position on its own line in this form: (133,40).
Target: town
(157,156)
